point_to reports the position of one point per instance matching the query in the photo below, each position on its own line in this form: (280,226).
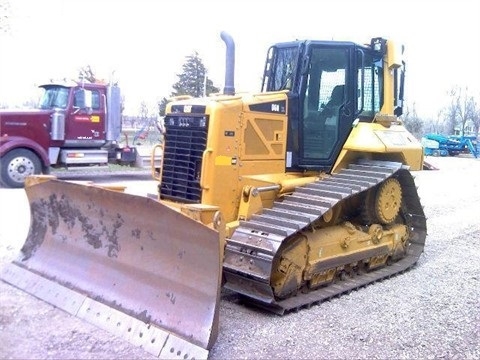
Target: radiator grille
(185,141)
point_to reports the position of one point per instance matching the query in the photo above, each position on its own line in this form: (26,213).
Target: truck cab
(75,124)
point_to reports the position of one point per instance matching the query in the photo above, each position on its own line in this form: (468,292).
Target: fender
(8,143)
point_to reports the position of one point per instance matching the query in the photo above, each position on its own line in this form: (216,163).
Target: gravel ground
(432,311)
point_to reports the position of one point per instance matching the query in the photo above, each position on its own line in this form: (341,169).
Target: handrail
(152,162)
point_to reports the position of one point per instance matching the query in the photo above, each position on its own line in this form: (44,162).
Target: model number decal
(275,107)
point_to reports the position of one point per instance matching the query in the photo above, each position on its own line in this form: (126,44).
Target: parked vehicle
(76,125)
(450,145)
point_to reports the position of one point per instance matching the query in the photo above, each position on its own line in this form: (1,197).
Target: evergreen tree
(192,80)
(162,106)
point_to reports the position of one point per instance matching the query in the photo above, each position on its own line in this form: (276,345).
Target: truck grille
(185,141)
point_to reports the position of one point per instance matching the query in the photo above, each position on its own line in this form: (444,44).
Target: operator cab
(331,85)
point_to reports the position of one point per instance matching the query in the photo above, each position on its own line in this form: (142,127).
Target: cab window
(77,100)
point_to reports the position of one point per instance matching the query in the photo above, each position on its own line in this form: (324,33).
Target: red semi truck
(75,125)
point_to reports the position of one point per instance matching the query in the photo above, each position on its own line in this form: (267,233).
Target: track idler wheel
(382,203)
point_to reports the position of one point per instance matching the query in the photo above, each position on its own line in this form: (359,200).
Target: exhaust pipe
(229,88)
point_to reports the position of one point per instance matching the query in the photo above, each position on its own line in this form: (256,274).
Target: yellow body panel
(377,141)
(247,143)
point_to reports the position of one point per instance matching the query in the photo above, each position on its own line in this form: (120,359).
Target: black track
(251,250)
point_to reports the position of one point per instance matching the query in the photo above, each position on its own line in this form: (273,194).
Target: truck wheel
(16,165)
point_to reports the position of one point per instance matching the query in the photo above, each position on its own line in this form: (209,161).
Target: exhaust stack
(229,88)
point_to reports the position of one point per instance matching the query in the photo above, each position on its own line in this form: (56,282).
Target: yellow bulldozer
(289,196)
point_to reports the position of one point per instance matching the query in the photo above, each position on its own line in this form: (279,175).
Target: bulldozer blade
(126,263)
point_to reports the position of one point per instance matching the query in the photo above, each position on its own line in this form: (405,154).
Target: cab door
(85,125)
(327,106)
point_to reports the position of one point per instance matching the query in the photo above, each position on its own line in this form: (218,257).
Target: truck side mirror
(83,99)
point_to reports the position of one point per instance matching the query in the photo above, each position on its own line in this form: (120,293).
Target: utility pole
(205,84)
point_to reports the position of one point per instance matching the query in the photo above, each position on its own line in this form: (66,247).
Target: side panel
(247,137)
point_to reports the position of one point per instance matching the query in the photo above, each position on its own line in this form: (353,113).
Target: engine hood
(24,122)
(21,117)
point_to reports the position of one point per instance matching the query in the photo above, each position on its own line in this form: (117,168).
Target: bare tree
(87,73)
(412,122)
(462,112)
(144,112)
(475,115)
(439,124)
(465,108)
(451,111)
(4,16)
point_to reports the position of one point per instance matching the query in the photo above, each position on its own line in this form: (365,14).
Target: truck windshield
(54,97)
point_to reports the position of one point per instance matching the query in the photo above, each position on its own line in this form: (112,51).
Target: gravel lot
(432,311)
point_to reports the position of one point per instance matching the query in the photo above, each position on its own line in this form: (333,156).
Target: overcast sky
(145,42)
